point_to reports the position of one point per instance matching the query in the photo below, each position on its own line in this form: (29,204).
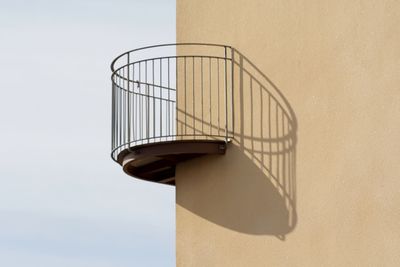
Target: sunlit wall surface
(320,188)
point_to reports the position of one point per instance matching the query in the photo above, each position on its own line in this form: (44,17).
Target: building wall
(317,188)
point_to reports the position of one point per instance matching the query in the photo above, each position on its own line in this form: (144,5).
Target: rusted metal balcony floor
(156,161)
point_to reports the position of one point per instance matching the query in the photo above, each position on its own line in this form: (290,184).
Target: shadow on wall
(258,172)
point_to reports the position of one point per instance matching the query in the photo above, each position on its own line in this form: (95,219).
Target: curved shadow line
(271,163)
(289,195)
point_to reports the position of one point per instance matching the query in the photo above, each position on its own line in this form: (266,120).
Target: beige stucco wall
(333,197)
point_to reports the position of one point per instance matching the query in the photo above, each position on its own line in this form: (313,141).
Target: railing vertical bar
(154,103)
(137,119)
(112,114)
(169,103)
(121,101)
(184,90)
(134,103)
(119,109)
(125,109)
(161,95)
(209,70)
(147,106)
(123,105)
(140,103)
(193,99)
(129,100)
(218,89)
(226,99)
(116,109)
(202,101)
(115,115)
(176,95)
(232,90)
(115,112)
(148,113)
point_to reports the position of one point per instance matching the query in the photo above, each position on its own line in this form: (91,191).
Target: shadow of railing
(258,173)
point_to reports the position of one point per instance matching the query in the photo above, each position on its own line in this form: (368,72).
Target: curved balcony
(170,103)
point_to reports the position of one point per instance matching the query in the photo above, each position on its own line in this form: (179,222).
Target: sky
(63,201)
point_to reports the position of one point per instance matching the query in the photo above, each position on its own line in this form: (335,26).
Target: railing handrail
(162,45)
(163,57)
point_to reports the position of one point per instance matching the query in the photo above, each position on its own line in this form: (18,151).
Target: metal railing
(172,92)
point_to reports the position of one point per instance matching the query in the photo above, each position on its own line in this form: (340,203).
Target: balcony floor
(156,161)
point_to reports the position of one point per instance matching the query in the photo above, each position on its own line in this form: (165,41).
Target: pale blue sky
(63,201)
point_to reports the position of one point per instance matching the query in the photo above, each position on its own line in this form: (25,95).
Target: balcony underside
(156,162)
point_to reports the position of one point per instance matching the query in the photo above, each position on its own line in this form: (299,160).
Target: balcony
(170,103)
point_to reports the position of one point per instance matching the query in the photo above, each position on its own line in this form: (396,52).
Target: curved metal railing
(194,91)
(149,82)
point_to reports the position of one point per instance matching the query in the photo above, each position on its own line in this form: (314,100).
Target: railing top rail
(164,45)
(115,72)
